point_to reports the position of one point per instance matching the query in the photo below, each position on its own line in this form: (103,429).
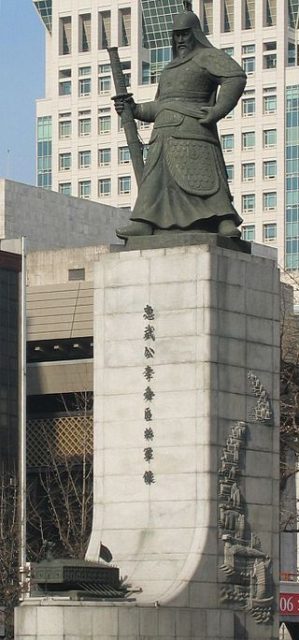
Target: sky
(22,82)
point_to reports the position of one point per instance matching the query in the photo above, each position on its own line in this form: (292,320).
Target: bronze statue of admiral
(184,184)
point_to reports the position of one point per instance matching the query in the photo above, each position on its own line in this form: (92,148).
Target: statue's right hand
(120,101)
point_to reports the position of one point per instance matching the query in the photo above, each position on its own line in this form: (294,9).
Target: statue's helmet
(189,20)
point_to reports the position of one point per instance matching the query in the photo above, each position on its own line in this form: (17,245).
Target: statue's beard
(183,51)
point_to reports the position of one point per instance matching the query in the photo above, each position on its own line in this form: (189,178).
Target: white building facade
(82,149)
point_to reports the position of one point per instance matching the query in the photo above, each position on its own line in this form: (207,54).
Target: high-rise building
(82,149)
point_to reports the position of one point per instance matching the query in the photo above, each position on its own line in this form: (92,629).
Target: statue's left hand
(207,115)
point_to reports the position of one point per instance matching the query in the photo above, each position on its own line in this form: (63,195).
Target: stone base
(48,619)
(174,238)
(186,446)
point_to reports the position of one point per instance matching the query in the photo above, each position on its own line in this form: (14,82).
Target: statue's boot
(229,229)
(135,229)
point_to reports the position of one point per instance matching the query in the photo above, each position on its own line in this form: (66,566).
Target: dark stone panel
(9,292)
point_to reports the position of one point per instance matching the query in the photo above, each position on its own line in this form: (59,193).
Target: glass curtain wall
(293,13)
(157,23)
(44,152)
(292,178)
(44,7)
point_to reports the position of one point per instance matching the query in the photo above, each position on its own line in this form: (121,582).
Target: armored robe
(185,179)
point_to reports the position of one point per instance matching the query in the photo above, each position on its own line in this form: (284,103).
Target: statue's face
(184,41)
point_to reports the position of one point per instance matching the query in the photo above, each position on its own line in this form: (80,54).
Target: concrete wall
(59,377)
(58,308)
(50,220)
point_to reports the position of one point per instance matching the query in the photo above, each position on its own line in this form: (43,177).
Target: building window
(84,189)
(270,169)
(84,159)
(248,172)
(248,140)
(104,29)
(270,201)
(76,274)
(84,81)
(120,126)
(143,125)
(85,32)
(65,188)
(230,170)
(270,46)
(104,85)
(270,104)
(85,71)
(248,232)
(230,115)
(104,187)
(269,232)
(228,50)
(44,152)
(65,128)
(248,203)
(248,49)
(248,60)
(104,157)
(104,69)
(208,16)
(84,87)
(124,185)
(291,54)
(126,69)
(270,59)
(248,18)
(65,88)
(146,73)
(248,64)
(270,138)
(84,128)
(65,161)
(248,107)
(270,13)
(228,15)
(124,27)
(65,82)
(104,82)
(104,121)
(123,155)
(44,128)
(227,142)
(159,58)
(65,36)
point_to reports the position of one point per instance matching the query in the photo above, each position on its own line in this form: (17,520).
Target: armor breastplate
(187,81)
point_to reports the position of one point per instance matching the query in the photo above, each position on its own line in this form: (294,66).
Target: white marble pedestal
(186,456)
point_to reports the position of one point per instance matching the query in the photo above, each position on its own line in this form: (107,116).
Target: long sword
(127,118)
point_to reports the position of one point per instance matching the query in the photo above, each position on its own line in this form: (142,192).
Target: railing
(289,577)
